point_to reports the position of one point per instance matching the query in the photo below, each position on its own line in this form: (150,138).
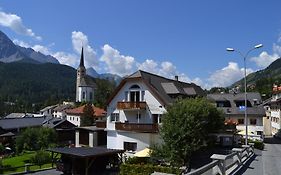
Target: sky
(184,38)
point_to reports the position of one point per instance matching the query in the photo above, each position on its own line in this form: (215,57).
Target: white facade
(256,128)
(59,114)
(74,119)
(275,112)
(85,94)
(133,92)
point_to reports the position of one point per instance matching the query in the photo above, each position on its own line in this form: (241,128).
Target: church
(85,85)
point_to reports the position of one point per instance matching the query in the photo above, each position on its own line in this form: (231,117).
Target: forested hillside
(26,87)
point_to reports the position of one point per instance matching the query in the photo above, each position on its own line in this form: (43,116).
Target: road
(266,162)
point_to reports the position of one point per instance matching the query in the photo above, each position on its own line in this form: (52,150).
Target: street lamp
(245,81)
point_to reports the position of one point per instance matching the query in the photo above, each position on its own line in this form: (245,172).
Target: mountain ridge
(10,52)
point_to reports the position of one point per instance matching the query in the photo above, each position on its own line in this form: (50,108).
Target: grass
(13,162)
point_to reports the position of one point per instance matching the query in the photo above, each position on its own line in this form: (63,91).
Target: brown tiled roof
(78,111)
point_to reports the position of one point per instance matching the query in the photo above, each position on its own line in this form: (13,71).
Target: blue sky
(185,38)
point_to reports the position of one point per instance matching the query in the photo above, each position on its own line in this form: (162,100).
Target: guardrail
(226,164)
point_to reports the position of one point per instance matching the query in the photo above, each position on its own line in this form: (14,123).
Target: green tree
(35,139)
(46,137)
(185,128)
(87,117)
(40,158)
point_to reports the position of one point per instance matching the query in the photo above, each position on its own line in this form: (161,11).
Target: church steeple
(82,59)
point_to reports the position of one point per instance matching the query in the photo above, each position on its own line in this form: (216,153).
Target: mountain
(38,56)
(9,52)
(263,80)
(107,76)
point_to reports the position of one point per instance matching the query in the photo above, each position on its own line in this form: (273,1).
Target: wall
(115,140)
(130,116)
(87,91)
(73,119)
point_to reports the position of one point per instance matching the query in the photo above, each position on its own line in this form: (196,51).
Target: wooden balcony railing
(100,124)
(131,105)
(137,127)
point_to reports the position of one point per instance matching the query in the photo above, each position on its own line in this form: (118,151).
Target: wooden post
(86,167)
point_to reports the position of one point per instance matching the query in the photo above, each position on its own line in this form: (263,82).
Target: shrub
(41,158)
(147,169)
(259,145)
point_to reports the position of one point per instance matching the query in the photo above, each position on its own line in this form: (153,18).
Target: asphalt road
(266,162)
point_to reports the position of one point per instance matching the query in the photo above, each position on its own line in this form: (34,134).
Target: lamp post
(245,81)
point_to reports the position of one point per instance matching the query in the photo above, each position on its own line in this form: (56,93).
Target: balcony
(131,105)
(137,127)
(100,124)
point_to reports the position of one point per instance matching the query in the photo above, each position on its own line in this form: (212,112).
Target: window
(142,95)
(135,96)
(114,117)
(259,133)
(223,104)
(135,86)
(138,117)
(241,121)
(91,95)
(253,121)
(242,103)
(83,95)
(130,146)
(126,96)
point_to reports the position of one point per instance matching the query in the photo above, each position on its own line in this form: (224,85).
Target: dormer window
(242,103)
(135,94)
(135,86)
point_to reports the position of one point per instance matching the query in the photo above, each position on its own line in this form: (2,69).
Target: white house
(59,111)
(233,106)
(275,109)
(135,110)
(48,111)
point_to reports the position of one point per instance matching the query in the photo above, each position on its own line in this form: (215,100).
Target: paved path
(47,172)
(266,162)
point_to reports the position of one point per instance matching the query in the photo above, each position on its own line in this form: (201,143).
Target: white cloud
(14,22)
(265,59)
(42,49)
(117,63)
(149,66)
(227,75)
(67,58)
(21,43)
(90,56)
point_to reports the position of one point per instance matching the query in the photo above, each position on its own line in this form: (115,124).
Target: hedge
(145,169)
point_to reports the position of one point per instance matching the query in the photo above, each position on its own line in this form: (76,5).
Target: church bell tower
(81,73)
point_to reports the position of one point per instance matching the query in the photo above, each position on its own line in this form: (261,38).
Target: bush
(147,169)
(41,158)
(259,145)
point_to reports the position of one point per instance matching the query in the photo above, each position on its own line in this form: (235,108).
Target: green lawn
(21,160)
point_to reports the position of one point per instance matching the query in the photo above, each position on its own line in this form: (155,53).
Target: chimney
(176,78)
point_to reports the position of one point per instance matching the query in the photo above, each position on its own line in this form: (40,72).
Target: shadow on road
(272,140)
(247,166)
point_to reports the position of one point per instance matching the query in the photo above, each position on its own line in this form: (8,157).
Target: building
(74,115)
(136,107)
(65,130)
(59,111)
(233,107)
(48,111)
(274,109)
(85,85)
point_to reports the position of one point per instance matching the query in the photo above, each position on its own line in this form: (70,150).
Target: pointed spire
(82,59)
